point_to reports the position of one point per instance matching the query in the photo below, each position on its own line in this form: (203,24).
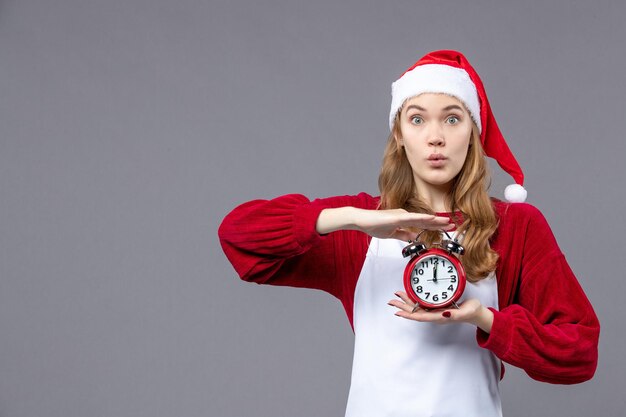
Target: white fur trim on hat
(435,78)
(515,193)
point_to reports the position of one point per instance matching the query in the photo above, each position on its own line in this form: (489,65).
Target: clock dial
(434,279)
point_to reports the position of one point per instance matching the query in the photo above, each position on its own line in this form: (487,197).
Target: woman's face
(435,133)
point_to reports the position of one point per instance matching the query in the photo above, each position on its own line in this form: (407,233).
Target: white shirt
(405,368)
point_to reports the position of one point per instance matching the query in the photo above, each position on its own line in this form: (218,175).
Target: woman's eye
(453,120)
(416,120)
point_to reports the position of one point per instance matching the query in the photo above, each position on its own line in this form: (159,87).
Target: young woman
(522,304)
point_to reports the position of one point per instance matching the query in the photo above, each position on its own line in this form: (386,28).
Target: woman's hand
(394,223)
(470,311)
(383,224)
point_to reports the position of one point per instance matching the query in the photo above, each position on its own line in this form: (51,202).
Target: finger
(426,221)
(416,218)
(424,316)
(404,297)
(441,219)
(404,307)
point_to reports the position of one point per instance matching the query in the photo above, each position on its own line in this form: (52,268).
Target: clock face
(436,280)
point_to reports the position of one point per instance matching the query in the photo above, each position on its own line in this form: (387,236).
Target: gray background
(129,128)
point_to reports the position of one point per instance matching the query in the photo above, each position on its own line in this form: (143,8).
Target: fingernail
(446,314)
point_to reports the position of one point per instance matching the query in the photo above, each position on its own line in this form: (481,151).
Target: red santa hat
(450,73)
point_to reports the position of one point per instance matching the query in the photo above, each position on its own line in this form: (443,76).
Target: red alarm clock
(434,277)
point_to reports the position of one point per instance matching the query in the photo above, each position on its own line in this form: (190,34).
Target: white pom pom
(515,193)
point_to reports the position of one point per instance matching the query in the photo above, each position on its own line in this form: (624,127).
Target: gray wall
(129,128)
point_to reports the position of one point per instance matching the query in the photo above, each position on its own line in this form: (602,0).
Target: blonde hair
(468,195)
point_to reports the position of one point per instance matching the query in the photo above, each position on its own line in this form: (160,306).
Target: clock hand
(435,270)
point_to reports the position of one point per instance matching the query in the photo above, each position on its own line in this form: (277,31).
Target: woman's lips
(436,160)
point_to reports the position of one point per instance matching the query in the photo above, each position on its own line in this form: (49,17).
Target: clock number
(450,288)
(450,270)
(427,295)
(420,271)
(452,278)
(435,297)
(424,263)
(444,295)
(416,280)
(418,289)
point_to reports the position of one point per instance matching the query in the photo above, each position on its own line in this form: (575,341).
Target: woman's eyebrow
(447,108)
(452,107)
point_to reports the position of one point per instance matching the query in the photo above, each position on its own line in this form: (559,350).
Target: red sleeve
(275,242)
(550,330)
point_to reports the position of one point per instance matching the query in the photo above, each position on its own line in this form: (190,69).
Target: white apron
(403,368)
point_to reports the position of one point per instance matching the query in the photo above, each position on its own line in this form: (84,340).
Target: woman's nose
(435,138)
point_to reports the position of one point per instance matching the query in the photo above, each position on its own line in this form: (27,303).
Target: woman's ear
(399,143)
